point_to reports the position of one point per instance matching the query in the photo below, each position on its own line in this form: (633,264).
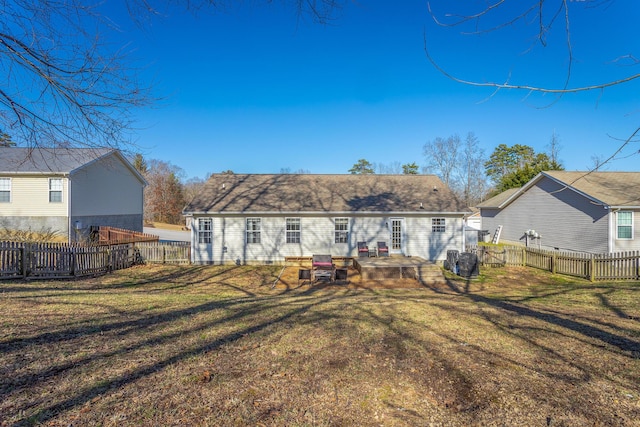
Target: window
(55,190)
(341,230)
(625,225)
(205,227)
(5,190)
(293,230)
(437,225)
(253,230)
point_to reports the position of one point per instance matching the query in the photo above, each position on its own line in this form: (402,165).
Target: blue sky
(253,89)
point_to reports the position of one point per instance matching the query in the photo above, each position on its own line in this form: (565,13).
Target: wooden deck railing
(594,267)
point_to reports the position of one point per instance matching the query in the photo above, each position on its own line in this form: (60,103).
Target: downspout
(69,228)
(612,229)
(464,236)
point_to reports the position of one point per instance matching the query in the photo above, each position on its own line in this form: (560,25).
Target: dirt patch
(289,280)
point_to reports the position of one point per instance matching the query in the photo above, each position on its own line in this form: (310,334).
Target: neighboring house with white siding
(594,212)
(260,218)
(69,190)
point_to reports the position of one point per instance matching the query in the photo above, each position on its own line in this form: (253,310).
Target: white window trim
(630,225)
(258,231)
(61,191)
(297,232)
(10,188)
(437,227)
(203,232)
(336,231)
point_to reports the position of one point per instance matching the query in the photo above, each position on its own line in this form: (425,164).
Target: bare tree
(441,158)
(460,165)
(64,84)
(164,196)
(473,181)
(553,148)
(546,18)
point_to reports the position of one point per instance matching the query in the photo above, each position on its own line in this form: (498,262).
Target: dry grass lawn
(217,345)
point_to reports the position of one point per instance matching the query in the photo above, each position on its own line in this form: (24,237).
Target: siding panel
(565,219)
(317,237)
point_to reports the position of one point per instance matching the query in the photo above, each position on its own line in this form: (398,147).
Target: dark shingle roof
(612,188)
(499,199)
(60,160)
(324,193)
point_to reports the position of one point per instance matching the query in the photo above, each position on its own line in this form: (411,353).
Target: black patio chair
(363,249)
(383,249)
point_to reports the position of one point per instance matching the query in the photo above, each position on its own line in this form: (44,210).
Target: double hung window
(341,230)
(624,225)
(5,190)
(293,230)
(253,230)
(205,230)
(55,190)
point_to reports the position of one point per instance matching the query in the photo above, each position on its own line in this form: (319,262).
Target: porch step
(430,274)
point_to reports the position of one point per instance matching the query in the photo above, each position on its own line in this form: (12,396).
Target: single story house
(258,218)
(67,191)
(594,212)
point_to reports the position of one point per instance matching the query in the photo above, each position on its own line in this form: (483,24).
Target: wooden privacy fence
(119,235)
(60,260)
(615,266)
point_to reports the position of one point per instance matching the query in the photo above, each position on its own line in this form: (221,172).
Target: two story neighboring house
(257,218)
(595,212)
(67,191)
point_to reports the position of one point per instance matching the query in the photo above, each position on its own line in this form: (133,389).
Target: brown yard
(172,345)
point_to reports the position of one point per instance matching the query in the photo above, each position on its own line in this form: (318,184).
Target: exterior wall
(30,198)
(622,245)
(80,225)
(57,224)
(564,219)
(106,187)
(317,236)
(104,192)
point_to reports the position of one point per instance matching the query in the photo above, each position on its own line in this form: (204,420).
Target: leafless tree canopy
(543,18)
(64,83)
(548,21)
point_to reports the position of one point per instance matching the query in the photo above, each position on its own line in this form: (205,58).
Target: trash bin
(452,260)
(484,236)
(468,265)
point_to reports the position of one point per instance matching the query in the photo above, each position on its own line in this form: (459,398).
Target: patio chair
(383,249)
(363,249)
(322,267)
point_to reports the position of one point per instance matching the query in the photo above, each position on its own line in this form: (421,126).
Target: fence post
(524,257)
(592,269)
(553,263)
(23,254)
(74,254)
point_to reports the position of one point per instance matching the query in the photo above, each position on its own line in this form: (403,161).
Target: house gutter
(322,213)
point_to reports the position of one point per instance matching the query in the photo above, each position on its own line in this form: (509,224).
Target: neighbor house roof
(497,200)
(24,161)
(235,193)
(614,189)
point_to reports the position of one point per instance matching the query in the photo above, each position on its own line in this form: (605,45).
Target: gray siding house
(260,218)
(67,191)
(596,212)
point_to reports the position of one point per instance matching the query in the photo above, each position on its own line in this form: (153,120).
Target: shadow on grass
(623,343)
